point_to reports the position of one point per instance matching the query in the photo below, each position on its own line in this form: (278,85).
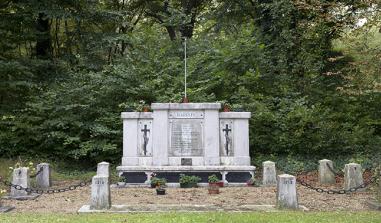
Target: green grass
(327,217)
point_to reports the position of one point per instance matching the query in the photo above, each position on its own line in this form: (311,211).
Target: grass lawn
(327,217)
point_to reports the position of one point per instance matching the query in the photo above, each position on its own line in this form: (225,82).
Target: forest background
(308,70)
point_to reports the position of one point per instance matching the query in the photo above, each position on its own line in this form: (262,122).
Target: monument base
(231,175)
(4,209)
(184,208)
(22,197)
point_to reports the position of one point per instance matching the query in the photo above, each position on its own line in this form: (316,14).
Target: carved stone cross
(146,139)
(227,140)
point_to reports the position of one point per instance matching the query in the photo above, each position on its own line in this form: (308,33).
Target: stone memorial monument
(190,138)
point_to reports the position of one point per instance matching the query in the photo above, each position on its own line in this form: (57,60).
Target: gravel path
(70,202)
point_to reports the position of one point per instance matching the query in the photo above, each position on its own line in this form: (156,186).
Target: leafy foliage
(309,76)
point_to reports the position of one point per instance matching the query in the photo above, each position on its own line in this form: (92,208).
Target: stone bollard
(21,178)
(100,193)
(326,176)
(103,169)
(286,192)
(352,175)
(269,174)
(43,178)
(379,188)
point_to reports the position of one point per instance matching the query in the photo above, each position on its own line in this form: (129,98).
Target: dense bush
(307,98)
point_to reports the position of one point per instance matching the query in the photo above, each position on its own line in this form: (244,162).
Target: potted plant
(188,181)
(122,181)
(214,189)
(226,107)
(156,181)
(160,190)
(213,180)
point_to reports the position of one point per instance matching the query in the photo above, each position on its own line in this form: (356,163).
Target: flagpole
(185,67)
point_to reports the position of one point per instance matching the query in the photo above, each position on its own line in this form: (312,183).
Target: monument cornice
(186,106)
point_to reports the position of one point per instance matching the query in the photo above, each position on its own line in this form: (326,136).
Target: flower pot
(214,190)
(188,185)
(217,184)
(145,109)
(226,108)
(160,191)
(121,184)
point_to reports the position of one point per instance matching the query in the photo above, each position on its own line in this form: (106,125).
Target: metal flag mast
(185,70)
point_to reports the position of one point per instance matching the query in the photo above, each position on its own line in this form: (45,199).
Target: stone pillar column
(269,173)
(326,176)
(130,138)
(21,178)
(241,139)
(43,179)
(352,175)
(286,192)
(103,169)
(160,145)
(211,133)
(100,193)
(223,174)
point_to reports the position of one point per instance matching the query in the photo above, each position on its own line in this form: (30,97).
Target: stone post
(326,176)
(103,169)
(269,173)
(43,178)
(100,193)
(379,187)
(20,177)
(286,192)
(352,175)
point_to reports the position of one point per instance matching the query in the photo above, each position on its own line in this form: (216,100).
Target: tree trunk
(43,39)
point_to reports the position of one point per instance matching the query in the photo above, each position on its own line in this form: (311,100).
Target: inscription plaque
(186,162)
(186,137)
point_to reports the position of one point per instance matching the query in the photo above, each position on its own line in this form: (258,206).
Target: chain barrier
(38,172)
(334,171)
(330,191)
(48,191)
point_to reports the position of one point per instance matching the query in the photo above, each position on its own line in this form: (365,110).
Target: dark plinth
(4,209)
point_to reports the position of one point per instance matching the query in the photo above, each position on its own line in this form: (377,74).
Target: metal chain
(49,191)
(334,171)
(38,172)
(329,191)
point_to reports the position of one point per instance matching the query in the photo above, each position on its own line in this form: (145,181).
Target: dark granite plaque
(186,162)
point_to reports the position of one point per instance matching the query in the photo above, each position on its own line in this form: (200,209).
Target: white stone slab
(326,176)
(269,174)
(136,115)
(103,169)
(184,168)
(189,106)
(352,175)
(183,208)
(235,115)
(21,178)
(286,192)
(100,193)
(43,179)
